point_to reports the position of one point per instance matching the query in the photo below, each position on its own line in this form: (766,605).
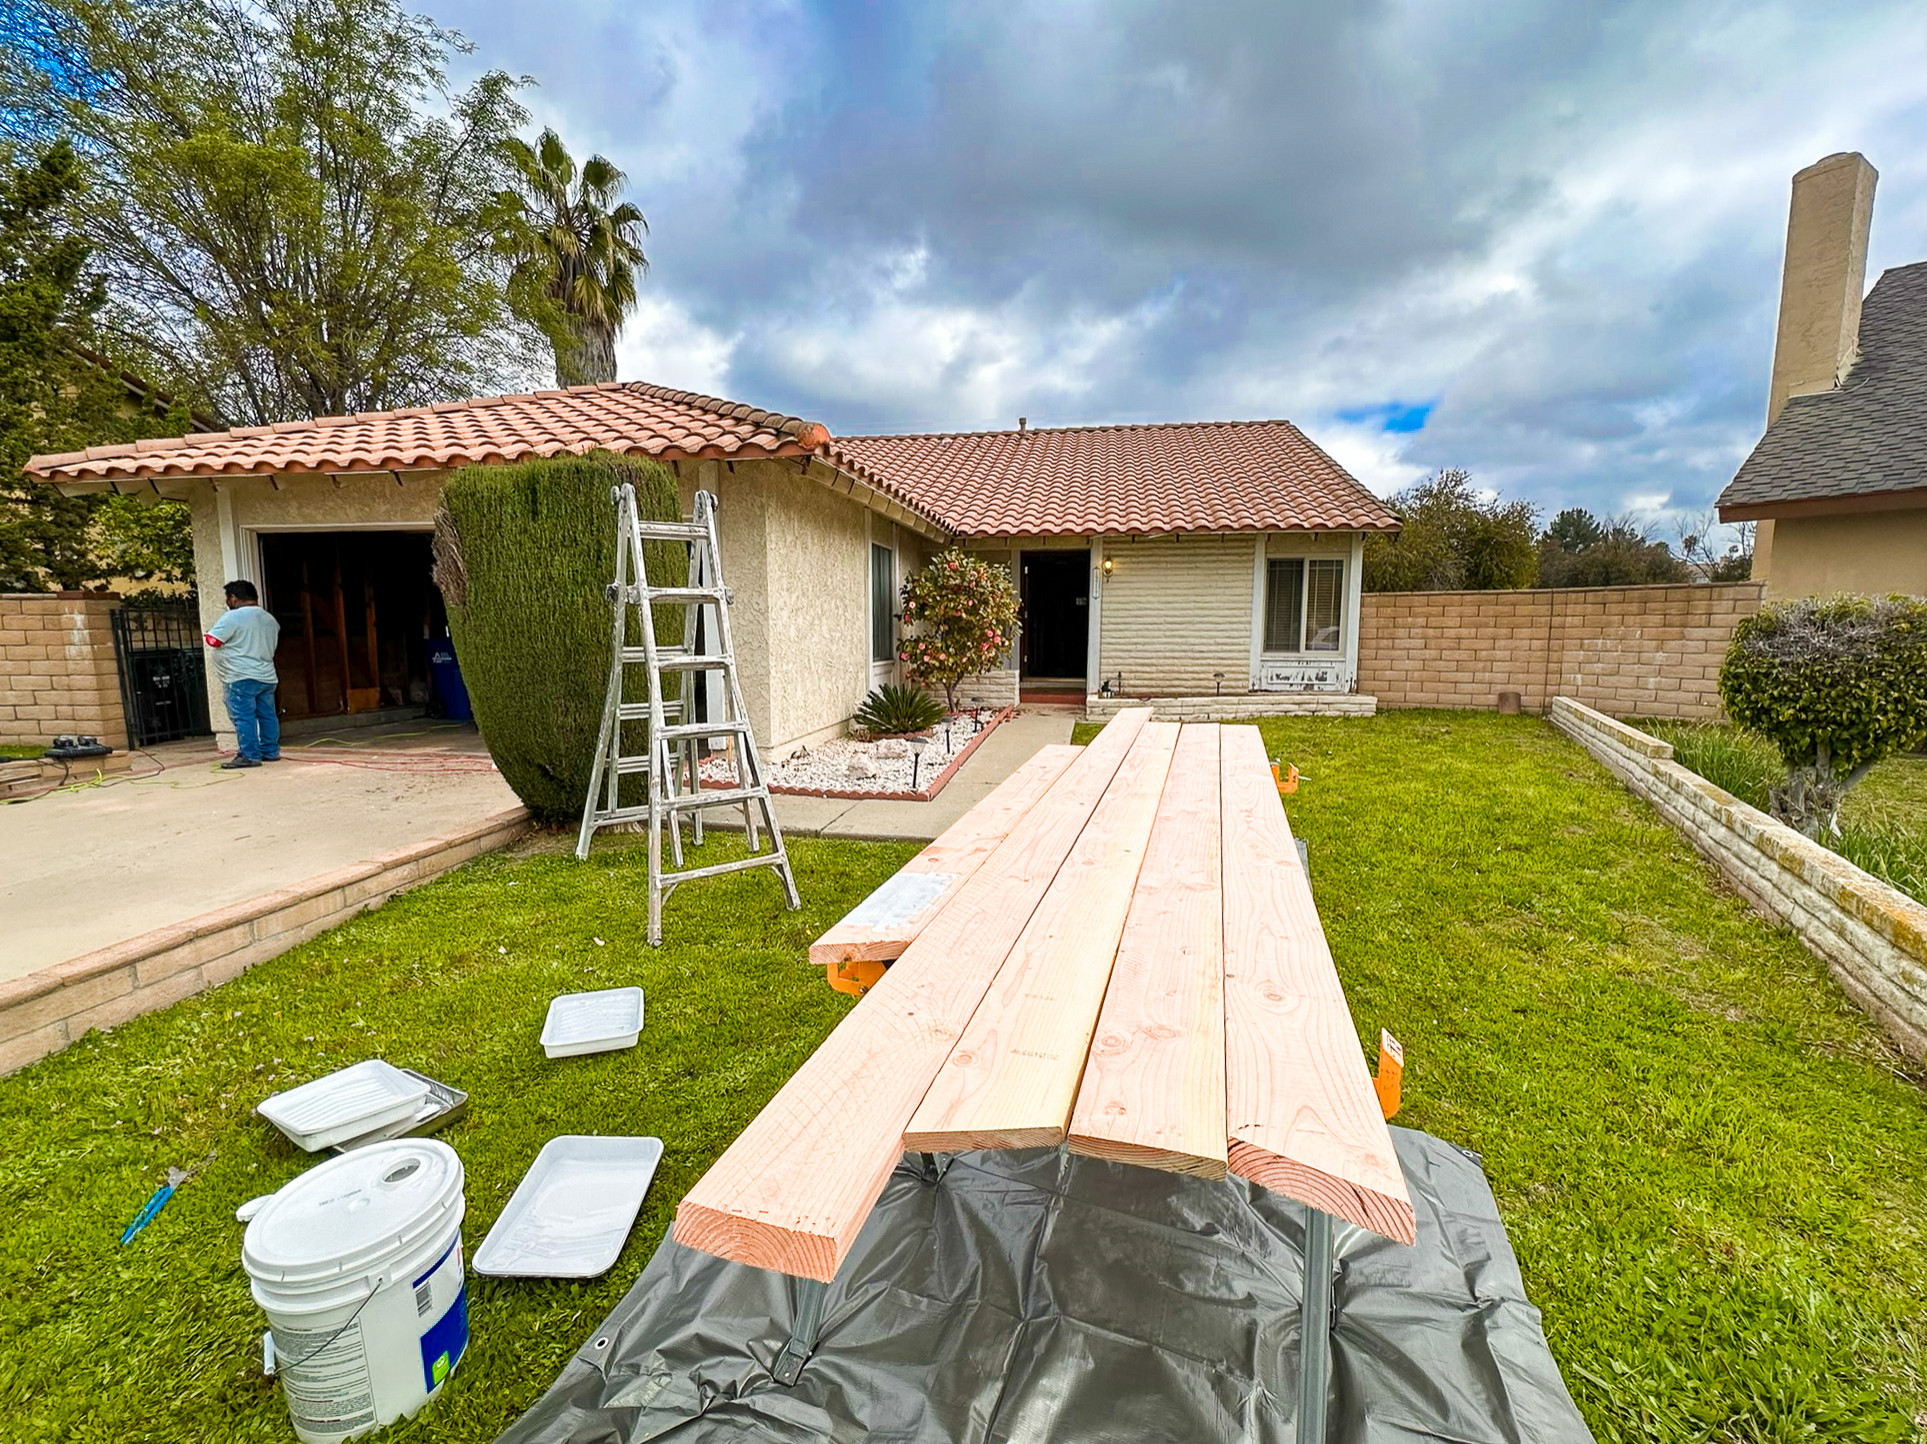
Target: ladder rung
(630,766)
(704,729)
(685,594)
(620,814)
(675,659)
(673,531)
(742,864)
(713,797)
(639,711)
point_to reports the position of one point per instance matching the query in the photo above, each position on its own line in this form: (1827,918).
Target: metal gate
(163,671)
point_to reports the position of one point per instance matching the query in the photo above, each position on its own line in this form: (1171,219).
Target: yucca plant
(891,711)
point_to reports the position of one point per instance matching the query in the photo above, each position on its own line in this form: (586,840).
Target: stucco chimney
(1826,273)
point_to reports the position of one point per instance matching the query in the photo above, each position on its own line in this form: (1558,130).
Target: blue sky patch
(1400,416)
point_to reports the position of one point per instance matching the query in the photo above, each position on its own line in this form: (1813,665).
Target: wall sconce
(1108,564)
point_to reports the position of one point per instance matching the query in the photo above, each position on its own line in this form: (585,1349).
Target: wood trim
(1011,1079)
(1153,1088)
(1879,501)
(1301,1116)
(792,1192)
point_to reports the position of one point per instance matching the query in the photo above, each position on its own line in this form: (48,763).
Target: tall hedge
(522,554)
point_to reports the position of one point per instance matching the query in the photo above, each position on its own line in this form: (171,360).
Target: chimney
(1826,273)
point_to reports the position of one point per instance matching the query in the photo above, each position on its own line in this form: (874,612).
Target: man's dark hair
(243,590)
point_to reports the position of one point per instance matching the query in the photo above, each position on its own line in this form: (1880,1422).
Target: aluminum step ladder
(671,768)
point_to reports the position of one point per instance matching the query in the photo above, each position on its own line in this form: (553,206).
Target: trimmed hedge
(522,554)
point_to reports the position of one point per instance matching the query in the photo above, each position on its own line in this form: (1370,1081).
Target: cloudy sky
(1540,241)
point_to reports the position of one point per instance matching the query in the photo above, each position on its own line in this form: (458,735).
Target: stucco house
(1190,560)
(1838,484)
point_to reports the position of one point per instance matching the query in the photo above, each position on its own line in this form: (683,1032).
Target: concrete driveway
(89,867)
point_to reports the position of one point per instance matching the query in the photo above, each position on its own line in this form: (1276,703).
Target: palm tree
(576,253)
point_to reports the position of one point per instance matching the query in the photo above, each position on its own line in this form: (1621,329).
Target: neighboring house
(1838,484)
(1187,558)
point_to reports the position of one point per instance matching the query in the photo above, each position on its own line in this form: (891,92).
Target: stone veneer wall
(1651,651)
(57,668)
(1872,937)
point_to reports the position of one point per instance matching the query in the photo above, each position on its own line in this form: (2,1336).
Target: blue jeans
(257,731)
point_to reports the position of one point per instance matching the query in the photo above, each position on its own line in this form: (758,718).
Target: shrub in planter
(522,554)
(964,611)
(1837,684)
(891,711)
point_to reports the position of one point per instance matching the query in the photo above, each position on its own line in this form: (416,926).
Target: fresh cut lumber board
(1301,1116)
(1012,1077)
(793,1190)
(879,928)
(1153,1089)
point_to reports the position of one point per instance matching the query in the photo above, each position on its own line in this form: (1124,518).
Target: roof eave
(1911,499)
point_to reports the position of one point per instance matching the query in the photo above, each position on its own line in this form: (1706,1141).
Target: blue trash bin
(449,686)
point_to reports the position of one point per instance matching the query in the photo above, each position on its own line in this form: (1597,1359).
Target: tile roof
(1118,480)
(1866,438)
(622,416)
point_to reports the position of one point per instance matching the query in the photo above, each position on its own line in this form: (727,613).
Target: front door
(1057,614)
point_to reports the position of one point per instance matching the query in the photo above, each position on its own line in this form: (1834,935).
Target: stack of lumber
(1117,949)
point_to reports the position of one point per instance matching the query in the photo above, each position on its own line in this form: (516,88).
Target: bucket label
(445,1340)
(324,1378)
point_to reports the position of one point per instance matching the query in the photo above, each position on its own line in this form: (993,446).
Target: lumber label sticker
(899,900)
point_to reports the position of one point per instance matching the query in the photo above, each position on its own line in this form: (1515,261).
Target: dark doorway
(1057,614)
(356,610)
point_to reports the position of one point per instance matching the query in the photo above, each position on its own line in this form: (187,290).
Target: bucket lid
(355,1213)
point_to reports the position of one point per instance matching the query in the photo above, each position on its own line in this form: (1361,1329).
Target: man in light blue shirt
(244,639)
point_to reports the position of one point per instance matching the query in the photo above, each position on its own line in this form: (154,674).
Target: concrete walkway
(1006,749)
(92,867)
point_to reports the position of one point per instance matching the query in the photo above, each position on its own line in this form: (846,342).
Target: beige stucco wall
(818,570)
(1176,610)
(1884,551)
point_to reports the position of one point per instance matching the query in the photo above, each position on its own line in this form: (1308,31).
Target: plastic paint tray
(345,1104)
(573,1209)
(443,1106)
(598,1022)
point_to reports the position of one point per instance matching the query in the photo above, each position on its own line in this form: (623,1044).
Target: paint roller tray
(571,1213)
(599,1022)
(345,1104)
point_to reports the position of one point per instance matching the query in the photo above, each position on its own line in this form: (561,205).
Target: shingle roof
(1866,437)
(622,416)
(1120,480)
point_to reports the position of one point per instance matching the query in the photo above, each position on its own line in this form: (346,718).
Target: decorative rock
(861,766)
(892,747)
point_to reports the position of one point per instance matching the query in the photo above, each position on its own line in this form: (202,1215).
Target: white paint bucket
(358,1264)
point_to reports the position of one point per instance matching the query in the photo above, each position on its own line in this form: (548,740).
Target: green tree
(1837,684)
(1453,539)
(963,613)
(577,253)
(1578,550)
(56,395)
(293,209)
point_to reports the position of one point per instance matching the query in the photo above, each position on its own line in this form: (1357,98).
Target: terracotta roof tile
(627,417)
(1118,480)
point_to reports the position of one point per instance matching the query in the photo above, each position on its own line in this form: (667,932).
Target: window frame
(1307,565)
(883,623)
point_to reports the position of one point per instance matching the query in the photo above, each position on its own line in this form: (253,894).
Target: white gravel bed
(845,764)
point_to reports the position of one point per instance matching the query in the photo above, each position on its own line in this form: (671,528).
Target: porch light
(1108,564)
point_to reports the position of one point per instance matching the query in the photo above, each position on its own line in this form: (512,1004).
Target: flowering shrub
(964,611)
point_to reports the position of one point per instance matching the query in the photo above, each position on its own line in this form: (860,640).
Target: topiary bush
(891,711)
(964,610)
(522,554)
(1836,684)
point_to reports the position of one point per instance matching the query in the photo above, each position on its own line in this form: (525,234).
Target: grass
(1708,1161)
(1883,821)
(10,752)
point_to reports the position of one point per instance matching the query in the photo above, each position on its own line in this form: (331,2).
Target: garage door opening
(357,610)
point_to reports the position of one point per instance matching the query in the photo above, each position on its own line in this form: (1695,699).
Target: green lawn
(1883,822)
(1710,1165)
(15,752)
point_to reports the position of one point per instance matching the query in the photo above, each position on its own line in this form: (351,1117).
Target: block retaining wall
(1234,707)
(43,1012)
(57,669)
(1871,936)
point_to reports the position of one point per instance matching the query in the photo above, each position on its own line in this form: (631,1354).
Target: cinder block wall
(57,668)
(1630,651)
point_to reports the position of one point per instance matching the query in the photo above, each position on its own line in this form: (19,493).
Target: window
(883,598)
(1304,604)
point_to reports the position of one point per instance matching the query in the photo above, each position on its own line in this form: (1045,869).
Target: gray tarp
(1038,1295)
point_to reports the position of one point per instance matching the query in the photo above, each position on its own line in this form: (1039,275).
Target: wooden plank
(1012,1077)
(1300,1113)
(792,1191)
(879,928)
(1153,1089)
